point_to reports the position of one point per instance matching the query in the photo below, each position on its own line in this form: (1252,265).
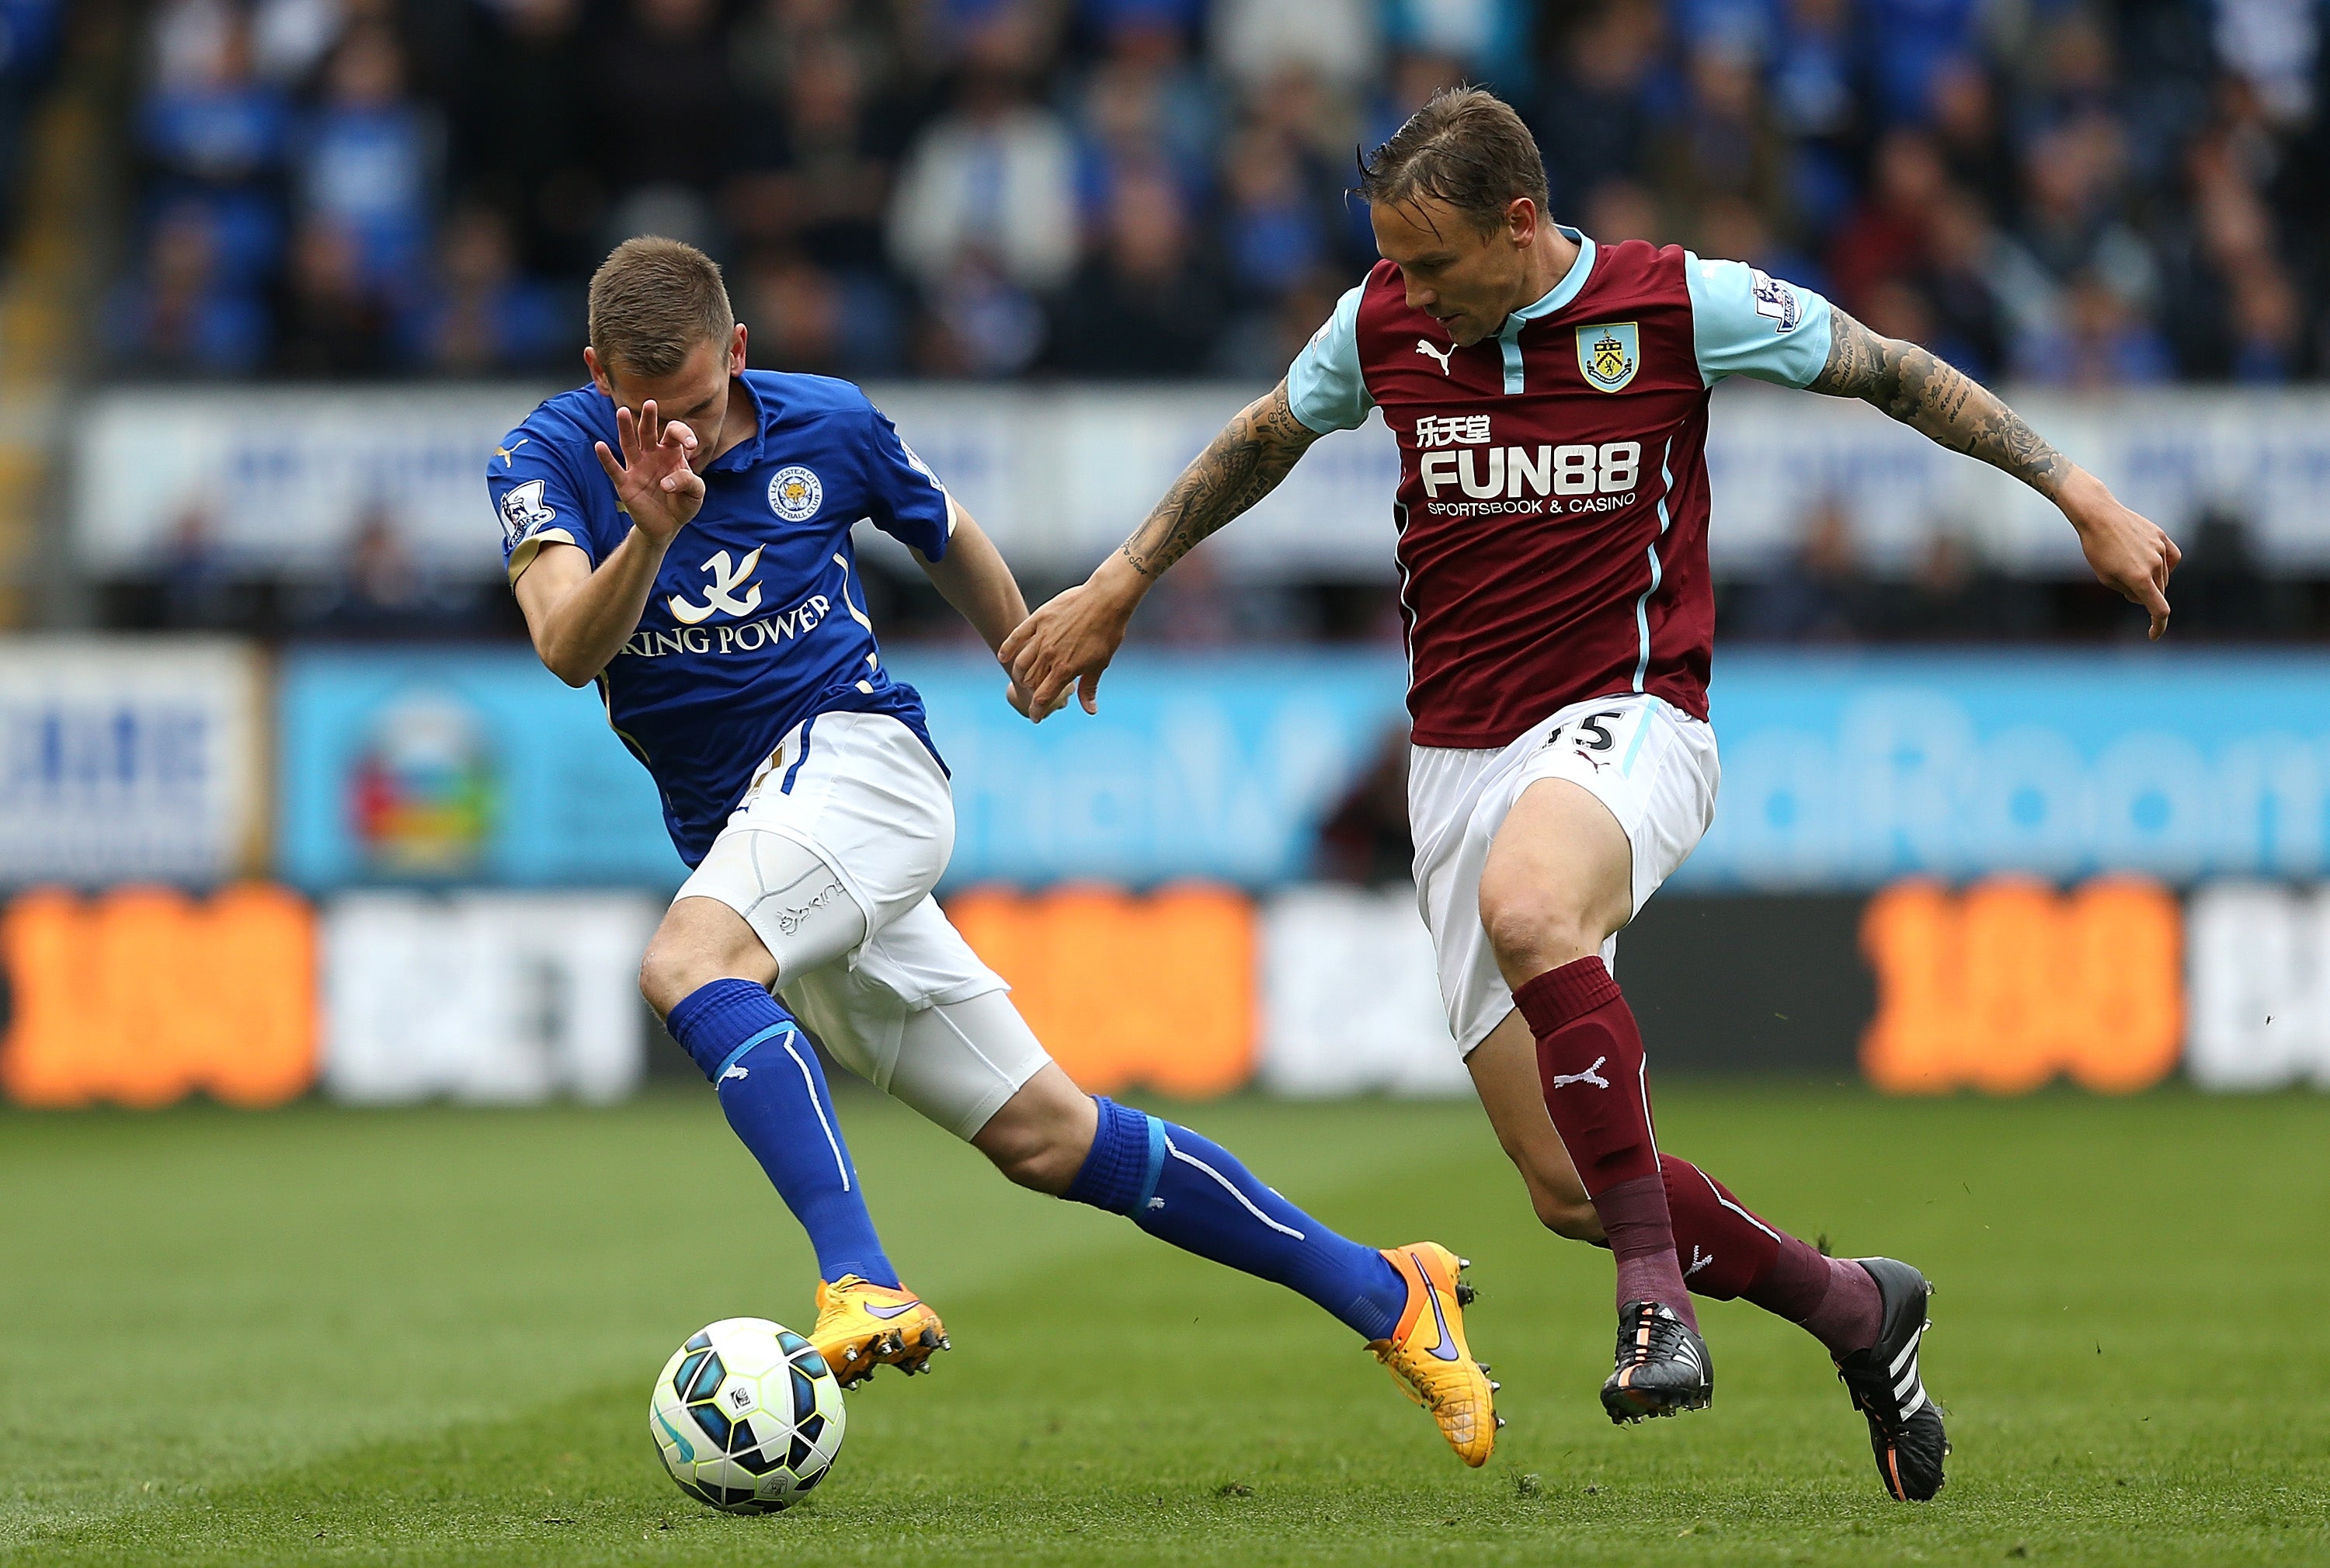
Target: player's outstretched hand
(1062,647)
(654,481)
(2128,552)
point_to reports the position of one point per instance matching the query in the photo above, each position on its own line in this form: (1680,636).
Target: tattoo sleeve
(1239,468)
(1939,401)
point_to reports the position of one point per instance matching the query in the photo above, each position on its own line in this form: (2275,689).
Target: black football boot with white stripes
(1663,1365)
(1905,1426)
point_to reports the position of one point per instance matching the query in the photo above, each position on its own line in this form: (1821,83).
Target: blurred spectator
(28,39)
(1888,238)
(2100,192)
(1366,837)
(1815,106)
(1338,42)
(802,318)
(1955,596)
(661,98)
(823,163)
(1601,103)
(186,317)
(195,585)
(289,38)
(333,321)
(1722,145)
(1621,210)
(2268,327)
(2097,342)
(1819,594)
(1483,40)
(214,133)
(2222,592)
(385,593)
(2273,44)
(1732,229)
(1275,229)
(1262,341)
(1143,306)
(1968,135)
(1961,248)
(484,317)
(1143,109)
(990,188)
(1912,43)
(531,133)
(369,158)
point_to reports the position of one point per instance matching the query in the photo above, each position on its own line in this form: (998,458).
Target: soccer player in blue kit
(678,530)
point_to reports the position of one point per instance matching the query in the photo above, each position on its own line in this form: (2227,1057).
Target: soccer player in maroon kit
(1549,396)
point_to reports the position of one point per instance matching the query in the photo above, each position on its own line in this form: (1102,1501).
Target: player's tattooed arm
(1937,399)
(1061,650)
(1241,466)
(2128,552)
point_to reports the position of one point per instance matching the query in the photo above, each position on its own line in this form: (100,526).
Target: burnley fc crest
(1608,354)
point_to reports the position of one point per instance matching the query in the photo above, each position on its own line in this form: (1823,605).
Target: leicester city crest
(794,494)
(1608,354)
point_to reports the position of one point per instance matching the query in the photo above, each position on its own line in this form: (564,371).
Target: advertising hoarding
(126,759)
(1060,474)
(465,765)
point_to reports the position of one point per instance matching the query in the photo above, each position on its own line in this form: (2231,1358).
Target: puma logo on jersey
(1440,355)
(1591,1075)
(720,595)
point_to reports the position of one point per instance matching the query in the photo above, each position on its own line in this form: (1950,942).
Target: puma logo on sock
(1698,1261)
(738,1069)
(1562,1080)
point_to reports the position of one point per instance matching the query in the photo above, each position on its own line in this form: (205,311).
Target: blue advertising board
(1846,770)
(471,765)
(1839,770)
(1197,765)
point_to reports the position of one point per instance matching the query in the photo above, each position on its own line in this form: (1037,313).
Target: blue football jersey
(757,621)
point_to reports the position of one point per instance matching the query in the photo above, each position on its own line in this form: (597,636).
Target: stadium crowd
(2048,190)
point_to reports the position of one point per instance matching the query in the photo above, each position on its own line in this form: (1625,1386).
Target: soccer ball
(747,1416)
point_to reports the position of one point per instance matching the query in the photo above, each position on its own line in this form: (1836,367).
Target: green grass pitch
(426,1337)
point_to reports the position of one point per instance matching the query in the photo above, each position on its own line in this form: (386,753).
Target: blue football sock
(1188,1190)
(773,1091)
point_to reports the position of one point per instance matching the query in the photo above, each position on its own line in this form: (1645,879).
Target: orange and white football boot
(1427,1356)
(861,1326)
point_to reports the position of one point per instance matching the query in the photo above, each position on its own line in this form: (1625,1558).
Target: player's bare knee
(1530,932)
(1040,1136)
(663,978)
(1035,1152)
(1573,1219)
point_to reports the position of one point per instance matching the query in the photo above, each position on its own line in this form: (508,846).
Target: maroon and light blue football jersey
(1553,503)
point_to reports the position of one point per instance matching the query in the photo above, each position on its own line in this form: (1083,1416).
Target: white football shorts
(854,805)
(1650,762)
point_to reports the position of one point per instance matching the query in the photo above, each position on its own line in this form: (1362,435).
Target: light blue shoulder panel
(1746,322)
(1323,386)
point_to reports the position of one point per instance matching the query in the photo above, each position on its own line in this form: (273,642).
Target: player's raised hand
(1062,647)
(654,481)
(2127,552)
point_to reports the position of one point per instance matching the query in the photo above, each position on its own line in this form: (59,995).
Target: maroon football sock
(1589,1063)
(1722,1248)
(1728,1251)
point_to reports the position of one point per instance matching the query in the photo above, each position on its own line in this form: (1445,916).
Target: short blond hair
(1466,147)
(652,301)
